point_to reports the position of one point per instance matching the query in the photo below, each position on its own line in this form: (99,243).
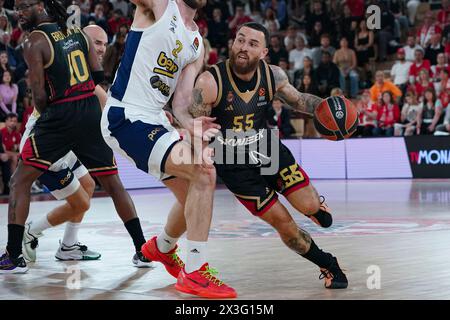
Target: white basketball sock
(71,234)
(165,243)
(40,225)
(196,255)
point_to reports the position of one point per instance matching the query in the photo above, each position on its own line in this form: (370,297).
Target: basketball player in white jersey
(163,55)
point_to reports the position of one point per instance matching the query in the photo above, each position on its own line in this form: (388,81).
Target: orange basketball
(336,118)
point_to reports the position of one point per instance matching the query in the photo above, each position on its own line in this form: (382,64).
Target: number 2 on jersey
(78,67)
(178,49)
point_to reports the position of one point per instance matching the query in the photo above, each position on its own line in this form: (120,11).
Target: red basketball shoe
(170,260)
(204,283)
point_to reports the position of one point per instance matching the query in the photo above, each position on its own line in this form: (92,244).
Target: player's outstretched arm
(303,102)
(33,53)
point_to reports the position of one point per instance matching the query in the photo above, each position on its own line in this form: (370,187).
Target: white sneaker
(30,243)
(76,252)
(140,261)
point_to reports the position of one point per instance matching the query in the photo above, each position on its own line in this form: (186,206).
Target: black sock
(318,257)
(15,236)
(134,229)
(324,218)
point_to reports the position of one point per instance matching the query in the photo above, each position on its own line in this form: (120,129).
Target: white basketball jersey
(152,62)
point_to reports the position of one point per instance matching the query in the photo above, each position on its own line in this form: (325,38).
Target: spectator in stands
(279,117)
(327,75)
(11,140)
(345,59)
(308,85)
(218,30)
(400,71)
(276,50)
(429,28)
(5,25)
(280,8)
(238,19)
(423,84)
(317,14)
(116,21)
(367,111)
(297,55)
(444,128)
(364,48)
(121,5)
(112,57)
(4,63)
(410,48)
(429,114)
(284,65)
(316,34)
(308,69)
(123,30)
(269,17)
(434,48)
(6,169)
(386,33)
(441,65)
(419,64)
(387,115)
(408,118)
(325,45)
(98,17)
(397,8)
(382,85)
(292,33)
(348,26)
(442,88)
(8,95)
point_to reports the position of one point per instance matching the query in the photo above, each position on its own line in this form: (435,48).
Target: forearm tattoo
(300,101)
(197,107)
(301,243)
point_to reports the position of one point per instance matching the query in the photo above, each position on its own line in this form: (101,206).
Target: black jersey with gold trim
(238,109)
(67,73)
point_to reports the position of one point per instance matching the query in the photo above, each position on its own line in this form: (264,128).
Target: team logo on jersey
(196,44)
(229,108)
(168,66)
(230,97)
(262,92)
(160,85)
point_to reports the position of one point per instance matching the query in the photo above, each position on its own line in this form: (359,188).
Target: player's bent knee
(88,184)
(311,206)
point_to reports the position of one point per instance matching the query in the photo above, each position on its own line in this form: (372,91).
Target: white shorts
(145,140)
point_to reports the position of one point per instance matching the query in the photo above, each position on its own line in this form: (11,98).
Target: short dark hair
(11,115)
(258,27)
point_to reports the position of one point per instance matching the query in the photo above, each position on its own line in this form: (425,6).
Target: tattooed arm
(303,102)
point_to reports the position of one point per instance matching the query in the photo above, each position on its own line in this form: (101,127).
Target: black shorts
(257,192)
(72,125)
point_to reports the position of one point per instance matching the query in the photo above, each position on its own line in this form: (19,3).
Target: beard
(30,24)
(195,4)
(248,67)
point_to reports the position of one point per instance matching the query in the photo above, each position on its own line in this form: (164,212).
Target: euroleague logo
(339,113)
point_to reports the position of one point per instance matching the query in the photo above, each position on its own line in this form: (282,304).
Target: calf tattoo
(301,243)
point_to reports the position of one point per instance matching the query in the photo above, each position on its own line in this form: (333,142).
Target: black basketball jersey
(242,115)
(67,74)
(242,111)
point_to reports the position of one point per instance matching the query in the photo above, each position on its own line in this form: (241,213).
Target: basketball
(336,118)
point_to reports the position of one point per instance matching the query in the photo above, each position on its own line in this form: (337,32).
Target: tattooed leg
(295,238)
(19,199)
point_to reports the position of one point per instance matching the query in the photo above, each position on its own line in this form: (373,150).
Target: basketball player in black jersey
(238,92)
(64,71)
